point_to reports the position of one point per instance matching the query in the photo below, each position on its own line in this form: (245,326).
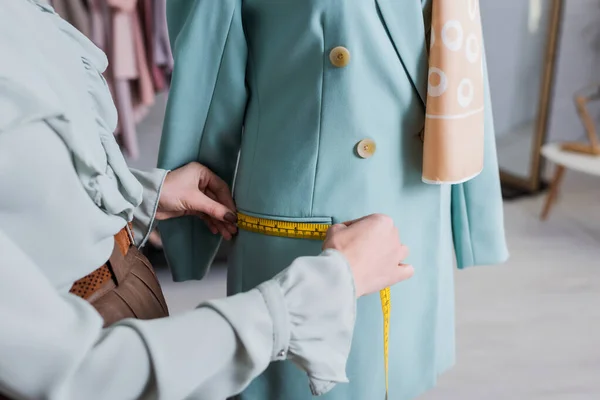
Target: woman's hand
(195,190)
(373,249)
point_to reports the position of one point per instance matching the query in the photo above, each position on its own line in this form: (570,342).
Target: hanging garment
(132,86)
(455,115)
(162,47)
(144,86)
(146,12)
(76,12)
(123,70)
(124,63)
(330,96)
(129,52)
(99,23)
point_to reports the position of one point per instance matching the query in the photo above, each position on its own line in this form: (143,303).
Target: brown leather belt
(87,286)
(125,287)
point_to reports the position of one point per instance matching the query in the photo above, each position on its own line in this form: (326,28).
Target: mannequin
(330,96)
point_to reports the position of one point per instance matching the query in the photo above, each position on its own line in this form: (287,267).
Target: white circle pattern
(440,88)
(465,99)
(473,9)
(453,44)
(472,48)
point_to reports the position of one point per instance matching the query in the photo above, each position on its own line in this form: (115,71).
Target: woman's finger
(218,227)
(210,223)
(202,203)
(403,252)
(231,227)
(221,226)
(354,221)
(335,228)
(220,190)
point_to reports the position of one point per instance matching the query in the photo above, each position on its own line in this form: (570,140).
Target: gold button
(366,148)
(339,56)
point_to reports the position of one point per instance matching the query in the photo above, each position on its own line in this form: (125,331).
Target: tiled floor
(527,330)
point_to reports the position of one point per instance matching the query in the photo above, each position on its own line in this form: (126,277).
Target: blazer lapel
(404,22)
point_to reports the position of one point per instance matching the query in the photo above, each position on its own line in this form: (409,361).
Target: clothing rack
(134,36)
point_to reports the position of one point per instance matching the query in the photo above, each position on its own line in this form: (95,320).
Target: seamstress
(82,314)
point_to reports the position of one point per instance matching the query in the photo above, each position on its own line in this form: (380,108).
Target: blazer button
(366,148)
(339,56)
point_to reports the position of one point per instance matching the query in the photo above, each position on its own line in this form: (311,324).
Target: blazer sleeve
(477,213)
(204,116)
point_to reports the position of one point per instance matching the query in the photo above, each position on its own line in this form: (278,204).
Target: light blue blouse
(65,190)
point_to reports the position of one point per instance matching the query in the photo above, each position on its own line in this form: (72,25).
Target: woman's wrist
(160,215)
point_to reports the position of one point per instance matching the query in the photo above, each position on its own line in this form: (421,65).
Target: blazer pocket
(297,220)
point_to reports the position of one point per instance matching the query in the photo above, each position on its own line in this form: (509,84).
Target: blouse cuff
(275,301)
(144,215)
(314,299)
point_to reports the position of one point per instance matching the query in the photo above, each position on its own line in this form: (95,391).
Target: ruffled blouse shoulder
(54,74)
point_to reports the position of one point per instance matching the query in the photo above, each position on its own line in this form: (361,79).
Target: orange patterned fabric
(90,284)
(454,123)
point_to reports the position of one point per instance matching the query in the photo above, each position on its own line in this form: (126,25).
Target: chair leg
(551,198)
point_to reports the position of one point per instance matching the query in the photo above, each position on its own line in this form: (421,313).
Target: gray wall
(514,50)
(514,46)
(578,66)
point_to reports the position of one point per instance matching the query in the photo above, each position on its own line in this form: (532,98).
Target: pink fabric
(124,61)
(133,86)
(123,5)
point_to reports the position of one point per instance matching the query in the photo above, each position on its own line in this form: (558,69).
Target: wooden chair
(580,156)
(581,101)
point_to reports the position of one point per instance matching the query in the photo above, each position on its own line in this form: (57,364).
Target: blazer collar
(405,25)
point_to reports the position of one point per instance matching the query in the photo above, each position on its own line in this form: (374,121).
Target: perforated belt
(90,284)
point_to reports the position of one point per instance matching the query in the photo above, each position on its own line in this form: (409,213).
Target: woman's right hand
(373,249)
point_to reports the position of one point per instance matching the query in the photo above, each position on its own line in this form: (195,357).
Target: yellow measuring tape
(315,231)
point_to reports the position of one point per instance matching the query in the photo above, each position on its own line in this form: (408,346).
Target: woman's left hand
(195,190)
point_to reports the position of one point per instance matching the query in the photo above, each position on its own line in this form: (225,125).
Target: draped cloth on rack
(76,12)
(133,34)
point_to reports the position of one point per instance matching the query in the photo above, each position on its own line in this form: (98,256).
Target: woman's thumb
(335,228)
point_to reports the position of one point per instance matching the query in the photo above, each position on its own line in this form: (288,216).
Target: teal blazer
(255,78)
